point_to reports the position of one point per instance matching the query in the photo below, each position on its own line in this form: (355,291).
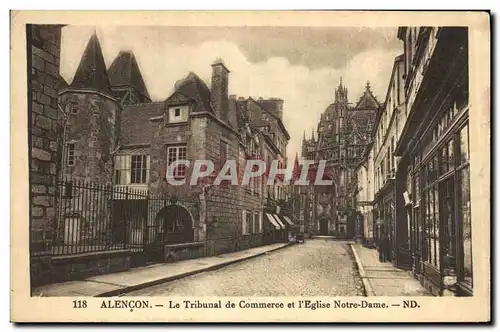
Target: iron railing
(93,218)
(96,217)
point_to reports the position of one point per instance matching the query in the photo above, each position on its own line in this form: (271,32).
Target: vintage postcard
(250,166)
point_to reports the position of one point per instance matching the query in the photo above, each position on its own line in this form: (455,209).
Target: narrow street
(319,267)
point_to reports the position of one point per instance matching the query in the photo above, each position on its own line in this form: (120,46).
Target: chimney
(220,83)
(279,107)
(276,106)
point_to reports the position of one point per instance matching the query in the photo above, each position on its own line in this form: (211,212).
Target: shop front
(441,230)
(434,205)
(384,201)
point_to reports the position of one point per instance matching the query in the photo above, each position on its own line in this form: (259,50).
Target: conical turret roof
(124,71)
(91,72)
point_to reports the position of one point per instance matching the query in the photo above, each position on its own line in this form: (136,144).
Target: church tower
(341,93)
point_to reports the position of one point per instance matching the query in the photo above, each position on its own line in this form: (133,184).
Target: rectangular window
(435,192)
(139,169)
(70,155)
(131,169)
(73,108)
(389,160)
(175,153)
(464,145)
(444,167)
(429,217)
(392,153)
(256,223)
(382,170)
(451,155)
(243,222)
(178,114)
(465,220)
(122,170)
(248,226)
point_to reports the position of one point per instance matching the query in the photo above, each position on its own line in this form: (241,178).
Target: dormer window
(178,114)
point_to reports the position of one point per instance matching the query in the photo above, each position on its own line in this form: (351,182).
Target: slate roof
(91,73)
(124,71)
(272,105)
(194,88)
(136,127)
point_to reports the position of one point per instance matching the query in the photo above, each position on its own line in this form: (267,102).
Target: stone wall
(251,202)
(85,266)
(180,252)
(94,130)
(223,220)
(43,62)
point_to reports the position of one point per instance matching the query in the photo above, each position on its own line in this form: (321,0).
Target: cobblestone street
(318,267)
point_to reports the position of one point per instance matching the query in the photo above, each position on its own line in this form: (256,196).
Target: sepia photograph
(221,161)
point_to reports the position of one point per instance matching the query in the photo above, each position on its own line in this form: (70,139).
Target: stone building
(387,129)
(364,198)
(343,133)
(115,135)
(92,117)
(265,118)
(434,198)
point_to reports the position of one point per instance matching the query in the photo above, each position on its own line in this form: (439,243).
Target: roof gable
(124,71)
(367,100)
(177,98)
(91,72)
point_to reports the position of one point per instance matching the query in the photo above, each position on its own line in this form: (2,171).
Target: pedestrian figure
(383,248)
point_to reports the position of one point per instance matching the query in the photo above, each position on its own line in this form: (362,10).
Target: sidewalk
(137,278)
(383,279)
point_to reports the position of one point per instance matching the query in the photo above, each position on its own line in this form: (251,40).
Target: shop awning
(288,220)
(272,221)
(279,221)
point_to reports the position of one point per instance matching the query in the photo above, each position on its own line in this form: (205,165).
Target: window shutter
(147,168)
(243,222)
(128,167)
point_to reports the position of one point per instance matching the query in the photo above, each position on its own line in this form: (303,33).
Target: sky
(300,65)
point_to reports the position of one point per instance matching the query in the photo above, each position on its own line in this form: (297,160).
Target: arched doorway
(176,223)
